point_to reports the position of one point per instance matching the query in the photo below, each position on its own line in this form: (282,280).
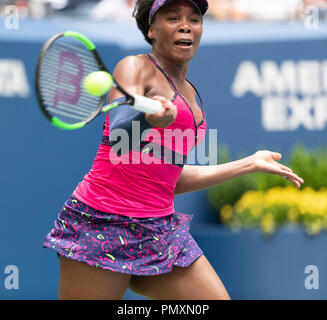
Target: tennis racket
(65,60)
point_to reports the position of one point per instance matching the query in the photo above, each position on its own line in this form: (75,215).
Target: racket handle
(144,104)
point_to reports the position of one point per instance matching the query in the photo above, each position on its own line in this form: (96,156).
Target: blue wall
(41,165)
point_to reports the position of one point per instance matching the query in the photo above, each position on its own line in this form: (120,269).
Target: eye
(196,19)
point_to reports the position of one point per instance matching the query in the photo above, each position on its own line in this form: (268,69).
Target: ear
(151,33)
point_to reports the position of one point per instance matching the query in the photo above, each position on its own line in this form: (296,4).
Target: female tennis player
(119,228)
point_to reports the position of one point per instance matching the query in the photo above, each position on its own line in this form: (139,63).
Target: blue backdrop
(262,85)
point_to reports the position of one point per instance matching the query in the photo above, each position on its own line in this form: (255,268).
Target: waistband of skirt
(72,203)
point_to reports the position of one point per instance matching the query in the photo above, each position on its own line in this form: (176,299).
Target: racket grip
(144,104)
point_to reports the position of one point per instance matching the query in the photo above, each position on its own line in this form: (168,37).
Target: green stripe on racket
(71,83)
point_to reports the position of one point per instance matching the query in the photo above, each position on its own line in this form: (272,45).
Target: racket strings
(64,67)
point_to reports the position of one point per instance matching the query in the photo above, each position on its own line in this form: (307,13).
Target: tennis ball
(98,83)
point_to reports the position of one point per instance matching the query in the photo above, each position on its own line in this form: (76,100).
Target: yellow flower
(256,211)
(267,223)
(307,205)
(314,228)
(226,212)
(293,214)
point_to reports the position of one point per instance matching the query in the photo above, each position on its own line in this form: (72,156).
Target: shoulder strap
(164,72)
(202,106)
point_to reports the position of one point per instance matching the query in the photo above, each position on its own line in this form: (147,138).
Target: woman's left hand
(265,161)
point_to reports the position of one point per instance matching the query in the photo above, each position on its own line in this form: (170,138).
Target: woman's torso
(135,188)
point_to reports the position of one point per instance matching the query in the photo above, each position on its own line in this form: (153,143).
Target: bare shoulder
(129,62)
(134,66)
(132,73)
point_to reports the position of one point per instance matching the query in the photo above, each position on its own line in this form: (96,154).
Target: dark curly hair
(141,15)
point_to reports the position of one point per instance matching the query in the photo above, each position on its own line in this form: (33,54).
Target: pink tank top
(143,190)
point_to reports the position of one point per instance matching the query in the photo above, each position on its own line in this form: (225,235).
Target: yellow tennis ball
(98,83)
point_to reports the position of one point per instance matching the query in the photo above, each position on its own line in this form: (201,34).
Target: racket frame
(129,99)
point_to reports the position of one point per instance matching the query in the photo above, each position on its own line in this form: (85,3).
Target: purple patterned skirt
(139,246)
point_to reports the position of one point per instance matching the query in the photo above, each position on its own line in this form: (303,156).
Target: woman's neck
(177,72)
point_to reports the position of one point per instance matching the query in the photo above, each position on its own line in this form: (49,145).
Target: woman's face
(177,30)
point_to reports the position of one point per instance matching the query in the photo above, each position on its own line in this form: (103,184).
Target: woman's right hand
(165,117)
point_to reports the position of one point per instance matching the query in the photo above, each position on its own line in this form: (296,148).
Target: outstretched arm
(195,178)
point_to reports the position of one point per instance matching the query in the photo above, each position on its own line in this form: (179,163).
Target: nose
(184,27)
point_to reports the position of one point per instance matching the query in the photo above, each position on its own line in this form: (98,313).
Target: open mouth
(184,43)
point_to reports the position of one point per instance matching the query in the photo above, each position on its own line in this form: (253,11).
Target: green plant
(311,165)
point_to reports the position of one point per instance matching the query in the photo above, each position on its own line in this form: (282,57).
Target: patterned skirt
(138,246)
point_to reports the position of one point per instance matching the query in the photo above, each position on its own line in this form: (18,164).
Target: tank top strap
(202,105)
(163,72)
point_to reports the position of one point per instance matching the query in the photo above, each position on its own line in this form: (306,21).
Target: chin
(183,56)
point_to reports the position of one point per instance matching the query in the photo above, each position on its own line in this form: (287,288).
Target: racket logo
(66,78)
